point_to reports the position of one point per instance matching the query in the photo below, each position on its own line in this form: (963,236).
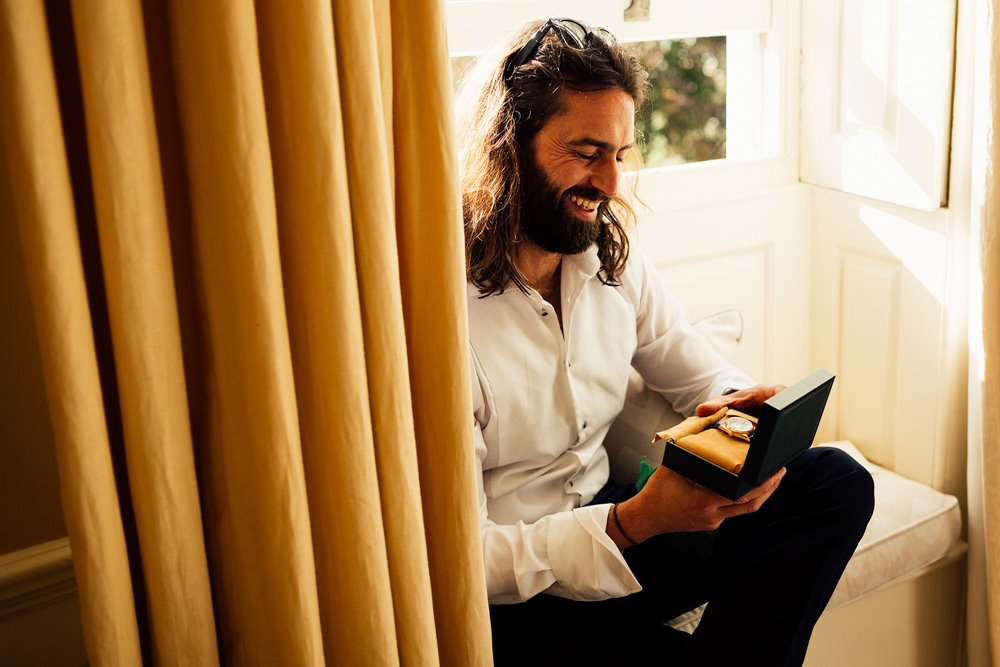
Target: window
(684,117)
(720,100)
(750,47)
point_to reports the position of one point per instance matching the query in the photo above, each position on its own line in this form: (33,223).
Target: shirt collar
(586,264)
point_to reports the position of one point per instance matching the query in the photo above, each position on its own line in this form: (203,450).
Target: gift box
(731,452)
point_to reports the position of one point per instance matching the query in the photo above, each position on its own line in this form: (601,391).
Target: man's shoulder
(636,274)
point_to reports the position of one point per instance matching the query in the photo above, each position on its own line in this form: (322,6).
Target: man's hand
(746,400)
(671,503)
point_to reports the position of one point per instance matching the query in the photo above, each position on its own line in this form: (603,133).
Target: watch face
(738,424)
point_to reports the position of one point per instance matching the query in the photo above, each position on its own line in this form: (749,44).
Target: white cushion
(913,526)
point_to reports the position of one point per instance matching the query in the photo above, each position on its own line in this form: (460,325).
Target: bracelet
(618,524)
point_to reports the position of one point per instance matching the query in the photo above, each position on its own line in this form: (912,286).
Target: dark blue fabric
(766,576)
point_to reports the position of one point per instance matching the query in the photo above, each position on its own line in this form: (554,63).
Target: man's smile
(588,206)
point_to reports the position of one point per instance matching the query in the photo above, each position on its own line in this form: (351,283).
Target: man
(579,569)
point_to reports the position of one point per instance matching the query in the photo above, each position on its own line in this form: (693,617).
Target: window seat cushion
(913,526)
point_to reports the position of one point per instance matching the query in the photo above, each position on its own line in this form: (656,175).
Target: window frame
(474,24)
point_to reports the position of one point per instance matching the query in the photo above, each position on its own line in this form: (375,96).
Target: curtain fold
(989,243)
(314,205)
(280,240)
(991,416)
(252,431)
(138,277)
(367,117)
(44,208)
(984,366)
(429,224)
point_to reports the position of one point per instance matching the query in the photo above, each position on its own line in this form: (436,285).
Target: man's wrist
(620,527)
(624,524)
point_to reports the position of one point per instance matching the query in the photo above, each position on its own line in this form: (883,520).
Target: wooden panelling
(913,621)
(868,322)
(879,306)
(748,254)
(734,280)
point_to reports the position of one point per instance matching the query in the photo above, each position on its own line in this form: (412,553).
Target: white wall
(746,253)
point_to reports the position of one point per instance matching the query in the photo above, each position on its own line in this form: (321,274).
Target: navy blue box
(786,427)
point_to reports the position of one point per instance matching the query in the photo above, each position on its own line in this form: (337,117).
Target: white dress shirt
(543,400)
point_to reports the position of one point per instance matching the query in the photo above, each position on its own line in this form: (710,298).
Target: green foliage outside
(684,117)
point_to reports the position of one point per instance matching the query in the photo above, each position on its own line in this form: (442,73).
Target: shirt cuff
(730,385)
(586,563)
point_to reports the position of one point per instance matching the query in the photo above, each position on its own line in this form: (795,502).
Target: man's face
(577,163)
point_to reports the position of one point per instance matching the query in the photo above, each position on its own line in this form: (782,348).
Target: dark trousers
(766,577)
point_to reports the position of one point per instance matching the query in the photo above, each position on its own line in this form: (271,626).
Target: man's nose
(605,177)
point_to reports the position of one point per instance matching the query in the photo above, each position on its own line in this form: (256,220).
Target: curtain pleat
(432,267)
(280,243)
(135,253)
(385,45)
(989,247)
(256,509)
(371,186)
(990,271)
(324,314)
(43,202)
(991,420)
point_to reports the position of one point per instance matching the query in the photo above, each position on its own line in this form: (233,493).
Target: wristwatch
(737,426)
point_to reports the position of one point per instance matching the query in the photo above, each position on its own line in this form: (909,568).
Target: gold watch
(737,425)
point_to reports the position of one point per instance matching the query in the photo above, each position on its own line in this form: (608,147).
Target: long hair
(497,121)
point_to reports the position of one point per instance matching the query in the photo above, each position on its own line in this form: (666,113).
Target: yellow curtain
(241,228)
(984,366)
(989,243)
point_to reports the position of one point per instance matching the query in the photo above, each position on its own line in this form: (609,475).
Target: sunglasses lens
(604,34)
(573,33)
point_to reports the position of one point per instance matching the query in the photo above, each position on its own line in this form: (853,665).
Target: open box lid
(787,425)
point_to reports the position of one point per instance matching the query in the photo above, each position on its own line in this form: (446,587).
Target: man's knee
(841,475)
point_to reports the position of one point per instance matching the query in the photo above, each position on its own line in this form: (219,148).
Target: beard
(545,218)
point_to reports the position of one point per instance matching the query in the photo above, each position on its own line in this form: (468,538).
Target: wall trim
(36,577)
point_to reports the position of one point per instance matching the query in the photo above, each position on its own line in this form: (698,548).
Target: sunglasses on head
(571,32)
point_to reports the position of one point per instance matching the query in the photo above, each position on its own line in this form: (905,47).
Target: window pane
(684,119)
